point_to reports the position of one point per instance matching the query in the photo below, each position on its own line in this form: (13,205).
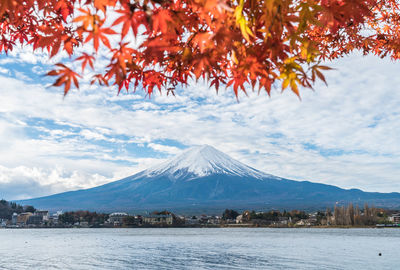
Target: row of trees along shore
(79,216)
(345,215)
(353,216)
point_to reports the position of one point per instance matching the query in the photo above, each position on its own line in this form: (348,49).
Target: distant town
(13,215)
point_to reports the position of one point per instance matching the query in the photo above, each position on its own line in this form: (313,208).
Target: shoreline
(207,227)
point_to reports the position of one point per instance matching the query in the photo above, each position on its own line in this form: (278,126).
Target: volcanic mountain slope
(205,179)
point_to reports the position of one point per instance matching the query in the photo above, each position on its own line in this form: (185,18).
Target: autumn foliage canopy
(160,44)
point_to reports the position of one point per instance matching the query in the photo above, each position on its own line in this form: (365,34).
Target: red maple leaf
(66,76)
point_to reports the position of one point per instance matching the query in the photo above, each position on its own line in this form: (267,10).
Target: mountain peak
(203,160)
(204,151)
(201,149)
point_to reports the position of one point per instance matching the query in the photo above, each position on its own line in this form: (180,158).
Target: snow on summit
(202,161)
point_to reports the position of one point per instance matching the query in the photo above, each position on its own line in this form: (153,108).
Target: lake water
(204,248)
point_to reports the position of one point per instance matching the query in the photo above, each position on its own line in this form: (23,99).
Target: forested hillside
(8,208)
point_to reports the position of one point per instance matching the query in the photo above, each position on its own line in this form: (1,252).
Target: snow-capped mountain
(203,179)
(200,161)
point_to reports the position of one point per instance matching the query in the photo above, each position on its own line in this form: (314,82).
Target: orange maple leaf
(86,59)
(100,34)
(66,76)
(130,18)
(160,19)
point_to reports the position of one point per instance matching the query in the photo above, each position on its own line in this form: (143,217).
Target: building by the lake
(158,219)
(117,219)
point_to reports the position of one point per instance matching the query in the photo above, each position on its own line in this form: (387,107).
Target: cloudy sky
(346,134)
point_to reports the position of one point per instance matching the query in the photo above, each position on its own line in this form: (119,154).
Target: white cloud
(23,182)
(4,71)
(90,135)
(164,148)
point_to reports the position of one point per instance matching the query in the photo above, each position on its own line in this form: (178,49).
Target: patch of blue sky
(175,107)
(210,118)
(170,142)
(143,151)
(199,100)
(25,71)
(38,128)
(375,121)
(138,100)
(332,152)
(115,144)
(247,152)
(239,119)
(110,158)
(275,135)
(35,132)
(119,137)
(110,145)
(51,124)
